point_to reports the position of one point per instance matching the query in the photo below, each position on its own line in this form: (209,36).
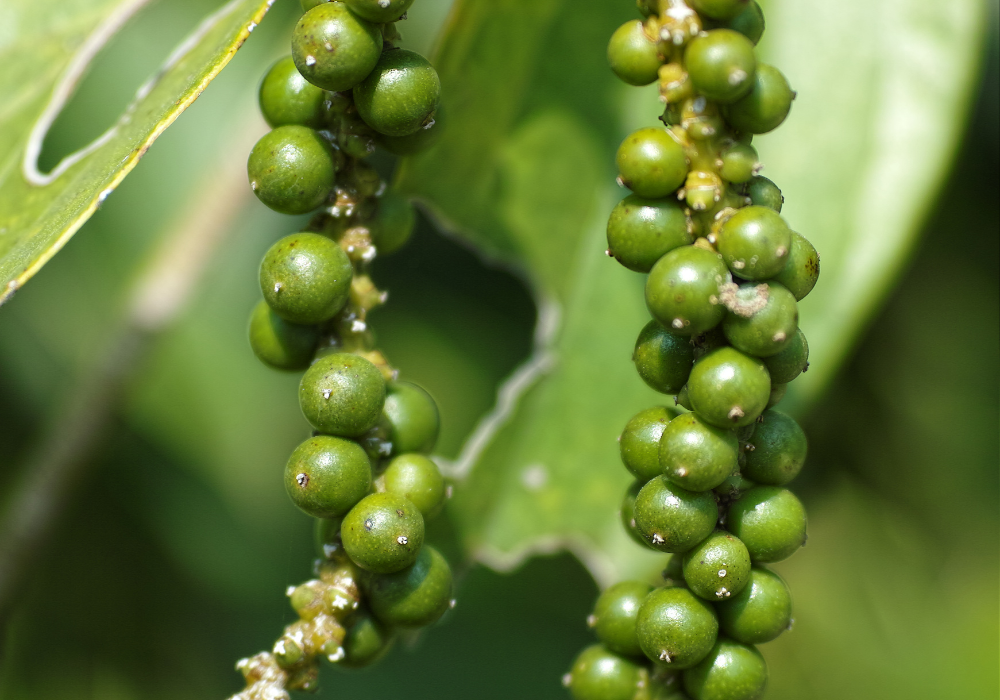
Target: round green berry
(695,455)
(420,140)
(729,389)
(651,163)
(739,162)
(286,97)
(306,278)
(627,512)
(749,22)
(791,361)
(755,242)
(598,674)
(278,343)
(383,533)
(763,319)
(799,275)
(733,486)
(730,671)
(663,359)
(771,522)
(379,11)
(326,536)
(682,290)
(719,9)
(415,596)
(291,169)
(413,418)
(633,56)
(417,478)
(718,567)
(614,616)
(393,223)
(400,95)
(778,392)
(333,48)
(721,65)
(764,193)
(673,572)
(367,640)
(641,231)
(675,628)
(765,106)
(342,394)
(778,450)
(758,613)
(326,476)
(639,443)
(672,519)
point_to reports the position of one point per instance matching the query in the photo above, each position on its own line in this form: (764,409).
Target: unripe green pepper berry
(718,567)
(778,392)
(663,359)
(721,65)
(682,290)
(626,513)
(799,275)
(393,223)
(641,231)
(598,674)
(413,418)
(673,572)
(333,48)
(733,486)
(285,97)
(366,642)
(383,533)
(326,537)
(791,361)
(765,106)
(310,4)
(764,193)
(615,614)
(417,478)
(639,443)
(672,519)
(755,243)
(771,522)
(342,394)
(763,319)
(306,278)
(749,22)
(730,671)
(400,95)
(729,389)
(739,163)
(719,9)
(758,613)
(695,455)
(379,11)
(633,56)
(291,169)
(415,596)
(326,476)
(675,628)
(651,163)
(278,343)
(779,448)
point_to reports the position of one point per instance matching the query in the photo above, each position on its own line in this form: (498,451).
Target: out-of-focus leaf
(45,49)
(523,173)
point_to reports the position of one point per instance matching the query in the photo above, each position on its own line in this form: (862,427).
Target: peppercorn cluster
(724,275)
(364,474)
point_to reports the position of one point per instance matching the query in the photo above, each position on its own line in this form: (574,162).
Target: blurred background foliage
(172,559)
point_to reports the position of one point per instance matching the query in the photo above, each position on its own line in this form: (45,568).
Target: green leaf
(524,173)
(45,49)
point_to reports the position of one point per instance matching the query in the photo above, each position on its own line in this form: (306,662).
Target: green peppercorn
(326,536)
(400,95)
(721,65)
(778,392)
(415,596)
(729,389)
(733,486)
(383,533)
(342,394)
(286,97)
(749,22)
(718,567)
(758,613)
(799,275)
(765,106)
(755,242)
(633,55)
(366,642)
(639,443)
(739,162)
(326,476)
(306,278)
(626,512)
(764,193)
(379,11)
(641,231)
(615,614)
(333,48)
(291,169)
(675,628)
(417,478)
(412,417)
(719,9)
(598,674)
(730,671)
(651,163)
(791,361)
(682,290)
(695,455)
(778,451)
(673,572)
(393,223)
(278,343)
(771,522)
(673,519)
(762,320)
(663,359)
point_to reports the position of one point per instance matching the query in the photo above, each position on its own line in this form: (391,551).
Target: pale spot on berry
(302,479)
